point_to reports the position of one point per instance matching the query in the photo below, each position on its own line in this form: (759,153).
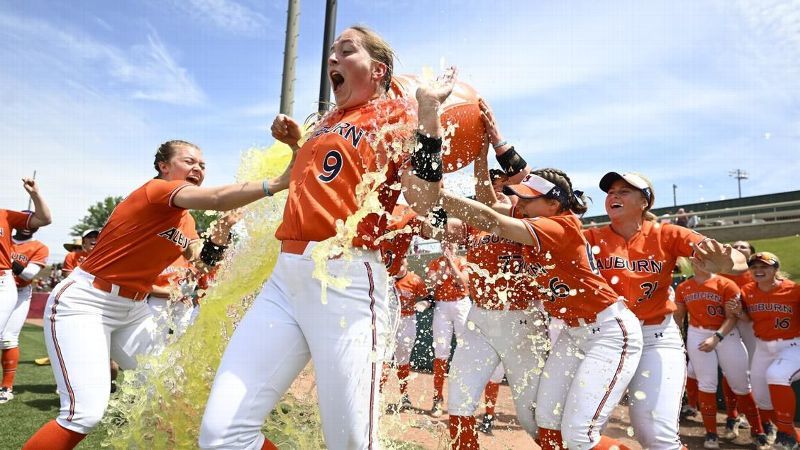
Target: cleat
(687,411)
(405,402)
(436,410)
(784,441)
(771,432)
(760,442)
(732,428)
(6,395)
(486,424)
(712,441)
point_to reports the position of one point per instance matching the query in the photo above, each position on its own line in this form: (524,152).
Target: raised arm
(41,213)
(512,163)
(481,216)
(715,257)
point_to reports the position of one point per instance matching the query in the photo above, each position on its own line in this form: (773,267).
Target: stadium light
(740,175)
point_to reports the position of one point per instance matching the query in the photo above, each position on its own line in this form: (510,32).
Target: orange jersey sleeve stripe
(774,313)
(142,237)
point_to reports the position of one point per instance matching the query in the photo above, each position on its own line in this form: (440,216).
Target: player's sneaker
(760,442)
(784,441)
(436,410)
(42,361)
(487,423)
(688,411)
(732,428)
(712,441)
(771,432)
(6,395)
(405,402)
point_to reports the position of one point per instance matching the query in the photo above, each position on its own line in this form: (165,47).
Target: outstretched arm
(486,218)
(41,213)
(715,257)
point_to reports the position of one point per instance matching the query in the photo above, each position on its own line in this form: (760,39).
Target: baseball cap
(639,182)
(767,258)
(533,186)
(90,233)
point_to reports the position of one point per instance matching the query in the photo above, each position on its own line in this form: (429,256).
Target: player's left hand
(422,305)
(709,344)
(436,92)
(30,186)
(490,122)
(713,256)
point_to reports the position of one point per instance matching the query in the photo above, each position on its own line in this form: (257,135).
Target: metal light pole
(674,195)
(289,57)
(740,175)
(330,29)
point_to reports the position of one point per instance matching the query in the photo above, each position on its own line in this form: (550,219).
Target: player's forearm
(220,198)
(160,292)
(281,182)
(41,214)
(727,325)
(472,212)
(484,191)
(421,195)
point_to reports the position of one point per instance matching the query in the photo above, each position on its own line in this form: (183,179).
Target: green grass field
(35,399)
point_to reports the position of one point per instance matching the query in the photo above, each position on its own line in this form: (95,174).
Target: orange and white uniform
(29,253)
(776,323)
(705,304)
(9,220)
(509,335)
(745,326)
(410,289)
(73,259)
(640,269)
(346,146)
(395,244)
(452,303)
(601,344)
(97,312)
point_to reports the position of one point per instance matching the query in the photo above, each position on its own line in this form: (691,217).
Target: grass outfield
(787,249)
(35,399)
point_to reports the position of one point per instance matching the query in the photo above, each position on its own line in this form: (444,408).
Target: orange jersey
(447,288)
(29,252)
(173,274)
(344,147)
(705,302)
(74,259)
(145,233)
(741,279)
(775,314)
(641,268)
(409,289)
(400,232)
(561,262)
(499,281)
(10,220)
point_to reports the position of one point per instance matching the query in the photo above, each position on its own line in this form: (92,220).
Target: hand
(30,186)
(489,121)
(422,305)
(734,307)
(708,344)
(435,93)
(286,130)
(713,257)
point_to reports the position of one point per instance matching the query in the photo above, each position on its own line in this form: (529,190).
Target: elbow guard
(427,158)
(511,162)
(212,253)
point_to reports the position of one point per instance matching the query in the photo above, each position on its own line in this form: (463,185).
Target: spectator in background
(694,219)
(78,251)
(681,218)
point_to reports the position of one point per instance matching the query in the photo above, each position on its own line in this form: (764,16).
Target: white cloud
(226,15)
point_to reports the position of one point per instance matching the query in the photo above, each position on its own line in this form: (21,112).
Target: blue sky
(682,91)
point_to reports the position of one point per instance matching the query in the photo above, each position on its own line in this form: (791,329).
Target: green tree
(98,215)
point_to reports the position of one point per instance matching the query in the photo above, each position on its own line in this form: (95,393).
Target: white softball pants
(8,297)
(448,318)
(9,334)
(518,340)
(404,339)
(586,375)
(730,354)
(775,362)
(287,326)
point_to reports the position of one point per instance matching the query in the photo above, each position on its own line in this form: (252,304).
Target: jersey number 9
(331,166)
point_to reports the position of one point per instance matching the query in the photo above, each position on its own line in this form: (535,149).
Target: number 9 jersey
(641,268)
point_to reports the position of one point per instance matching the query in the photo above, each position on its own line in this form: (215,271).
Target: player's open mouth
(616,205)
(193,179)
(337,79)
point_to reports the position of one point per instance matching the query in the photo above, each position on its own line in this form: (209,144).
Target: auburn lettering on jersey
(640,269)
(346,145)
(145,233)
(10,220)
(705,301)
(774,313)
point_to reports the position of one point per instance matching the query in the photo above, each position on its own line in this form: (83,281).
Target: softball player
(771,302)
(636,257)
(78,253)
(713,341)
(287,324)
(447,278)
(600,349)
(413,296)
(28,256)
(98,311)
(10,220)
